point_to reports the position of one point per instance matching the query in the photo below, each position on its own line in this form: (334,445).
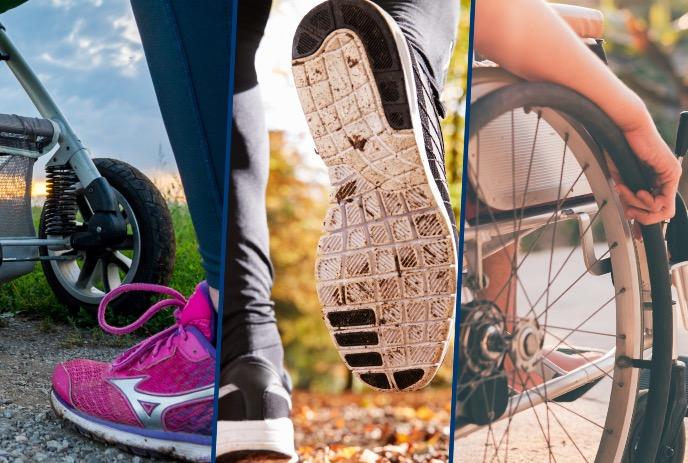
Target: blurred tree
(296,207)
(647,48)
(454,99)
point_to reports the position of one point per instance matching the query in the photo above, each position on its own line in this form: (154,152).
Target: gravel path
(29,429)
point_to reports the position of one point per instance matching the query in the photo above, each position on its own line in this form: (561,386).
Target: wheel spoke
(547,404)
(121,261)
(564,328)
(504,245)
(111,278)
(578,415)
(89,272)
(575,282)
(542,285)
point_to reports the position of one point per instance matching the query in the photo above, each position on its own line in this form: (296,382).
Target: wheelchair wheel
(147,255)
(545,227)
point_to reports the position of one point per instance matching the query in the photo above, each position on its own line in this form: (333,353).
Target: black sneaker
(387,262)
(254,412)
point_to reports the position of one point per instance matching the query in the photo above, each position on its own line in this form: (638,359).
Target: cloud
(118,128)
(69,4)
(126,25)
(98,42)
(88,54)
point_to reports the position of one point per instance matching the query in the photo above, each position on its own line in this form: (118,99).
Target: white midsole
(275,435)
(181,450)
(409,80)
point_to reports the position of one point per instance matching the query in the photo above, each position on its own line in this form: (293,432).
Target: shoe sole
(257,440)
(386,265)
(131,442)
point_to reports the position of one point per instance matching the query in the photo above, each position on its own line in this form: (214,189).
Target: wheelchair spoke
(503,245)
(569,329)
(534,248)
(578,415)
(576,281)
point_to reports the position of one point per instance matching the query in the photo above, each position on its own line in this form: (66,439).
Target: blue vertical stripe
(455,375)
(225,214)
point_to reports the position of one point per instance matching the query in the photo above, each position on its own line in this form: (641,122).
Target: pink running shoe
(157,397)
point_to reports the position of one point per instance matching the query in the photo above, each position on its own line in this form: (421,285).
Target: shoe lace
(151,347)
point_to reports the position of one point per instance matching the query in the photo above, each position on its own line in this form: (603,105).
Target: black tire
(585,115)
(673,455)
(157,251)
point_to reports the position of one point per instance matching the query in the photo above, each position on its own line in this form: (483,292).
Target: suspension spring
(61,202)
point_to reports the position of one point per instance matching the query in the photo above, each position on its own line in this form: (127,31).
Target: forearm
(529,39)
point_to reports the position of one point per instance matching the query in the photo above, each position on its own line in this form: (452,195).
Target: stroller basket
(15,213)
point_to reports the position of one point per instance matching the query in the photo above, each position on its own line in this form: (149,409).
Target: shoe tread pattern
(386,273)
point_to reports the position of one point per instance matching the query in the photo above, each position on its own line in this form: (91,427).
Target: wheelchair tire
(674,454)
(586,117)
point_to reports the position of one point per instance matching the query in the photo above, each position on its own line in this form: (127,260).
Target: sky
(88,54)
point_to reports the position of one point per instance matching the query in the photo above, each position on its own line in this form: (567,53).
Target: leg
(502,289)
(191,83)
(249,324)
(430,28)
(253,384)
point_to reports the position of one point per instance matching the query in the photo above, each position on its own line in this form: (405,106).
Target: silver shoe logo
(149,408)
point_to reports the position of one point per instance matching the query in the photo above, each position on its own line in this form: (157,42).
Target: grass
(31,294)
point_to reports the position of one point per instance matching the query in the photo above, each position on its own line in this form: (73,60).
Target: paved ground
(29,430)
(570,431)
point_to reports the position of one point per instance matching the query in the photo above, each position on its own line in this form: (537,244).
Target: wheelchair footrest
(26,135)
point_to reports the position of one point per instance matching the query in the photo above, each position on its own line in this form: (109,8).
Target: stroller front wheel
(146,255)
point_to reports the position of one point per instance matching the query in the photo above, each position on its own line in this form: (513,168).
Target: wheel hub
(526,344)
(485,340)
(484,392)
(483,337)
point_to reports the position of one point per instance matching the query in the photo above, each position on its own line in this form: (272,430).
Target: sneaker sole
(386,265)
(257,440)
(130,441)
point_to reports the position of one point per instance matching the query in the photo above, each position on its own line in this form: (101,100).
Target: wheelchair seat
(6,5)
(586,22)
